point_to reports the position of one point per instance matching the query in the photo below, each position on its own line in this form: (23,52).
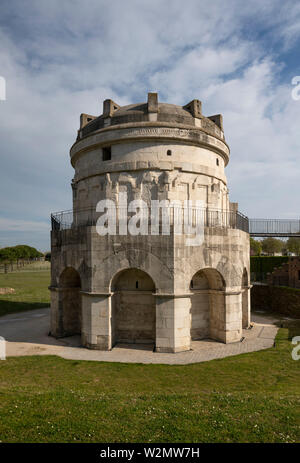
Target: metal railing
(274,227)
(65,220)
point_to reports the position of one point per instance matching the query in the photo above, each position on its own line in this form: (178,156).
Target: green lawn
(31,291)
(248,398)
(253,397)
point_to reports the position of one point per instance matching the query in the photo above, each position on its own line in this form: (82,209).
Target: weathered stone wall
(70,299)
(133,308)
(200,315)
(212,308)
(134,317)
(155,152)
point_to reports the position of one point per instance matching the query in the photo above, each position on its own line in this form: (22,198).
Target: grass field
(31,290)
(253,397)
(248,398)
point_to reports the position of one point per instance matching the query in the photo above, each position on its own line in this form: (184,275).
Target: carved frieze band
(112,136)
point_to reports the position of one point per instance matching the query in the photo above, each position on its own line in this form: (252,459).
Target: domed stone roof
(139,113)
(163,108)
(152,111)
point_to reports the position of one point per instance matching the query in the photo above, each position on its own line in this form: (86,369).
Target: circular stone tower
(150,284)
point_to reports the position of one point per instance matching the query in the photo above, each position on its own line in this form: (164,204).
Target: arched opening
(245,300)
(207,304)
(133,307)
(70,302)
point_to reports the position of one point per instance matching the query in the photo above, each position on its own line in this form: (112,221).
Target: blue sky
(62,58)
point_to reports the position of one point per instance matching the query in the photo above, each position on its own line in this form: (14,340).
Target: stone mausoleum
(150,288)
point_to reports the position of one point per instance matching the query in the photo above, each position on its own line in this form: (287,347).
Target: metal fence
(274,227)
(172,216)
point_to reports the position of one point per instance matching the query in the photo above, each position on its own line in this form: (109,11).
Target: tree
(293,245)
(255,247)
(272,245)
(16,253)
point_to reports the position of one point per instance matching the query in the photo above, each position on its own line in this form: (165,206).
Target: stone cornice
(96,293)
(165,295)
(149,130)
(173,295)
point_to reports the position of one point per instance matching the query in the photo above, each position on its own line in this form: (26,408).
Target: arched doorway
(207,304)
(70,302)
(245,300)
(133,307)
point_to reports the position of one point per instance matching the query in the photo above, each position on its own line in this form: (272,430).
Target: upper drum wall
(138,143)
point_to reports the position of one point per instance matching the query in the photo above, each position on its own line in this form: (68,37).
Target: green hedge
(264,264)
(279,299)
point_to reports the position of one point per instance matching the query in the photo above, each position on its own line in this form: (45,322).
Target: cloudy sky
(61,58)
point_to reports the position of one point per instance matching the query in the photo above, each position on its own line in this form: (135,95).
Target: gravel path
(26,333)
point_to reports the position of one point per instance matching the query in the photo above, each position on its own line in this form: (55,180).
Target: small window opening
(106,153)
(169,153)
(192,284)
(89,119)
(217,161)
(136,284)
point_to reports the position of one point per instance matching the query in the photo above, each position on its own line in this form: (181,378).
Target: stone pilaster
(96,321)
(246,306)
(173,322)
(55,316)
(233,319)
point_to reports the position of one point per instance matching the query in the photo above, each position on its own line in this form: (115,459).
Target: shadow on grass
(278,319)
(8,307)
(293,327)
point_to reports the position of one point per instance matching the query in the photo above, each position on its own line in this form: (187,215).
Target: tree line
(19,252)
(274,245)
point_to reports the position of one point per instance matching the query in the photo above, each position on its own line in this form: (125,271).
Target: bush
(261,265)
(276,299)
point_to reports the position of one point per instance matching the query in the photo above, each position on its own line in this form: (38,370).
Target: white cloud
(60,59)
(16,225)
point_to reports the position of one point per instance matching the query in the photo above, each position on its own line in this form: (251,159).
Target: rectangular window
(106,153)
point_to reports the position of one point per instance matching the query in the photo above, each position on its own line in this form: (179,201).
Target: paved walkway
(26,333)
